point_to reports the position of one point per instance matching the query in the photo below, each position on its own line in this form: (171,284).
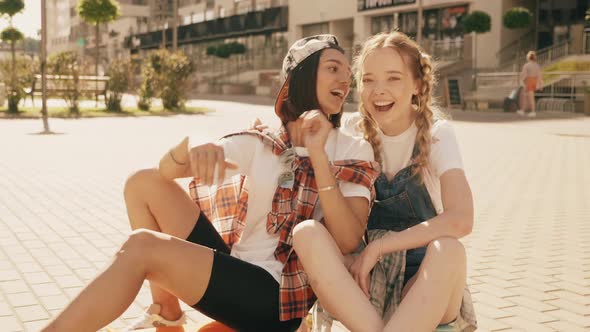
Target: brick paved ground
(62,215)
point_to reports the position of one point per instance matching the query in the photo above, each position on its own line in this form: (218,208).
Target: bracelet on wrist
(326,188)
(174,159)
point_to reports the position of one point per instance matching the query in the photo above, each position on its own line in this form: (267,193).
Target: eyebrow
(388,72)
(337,61)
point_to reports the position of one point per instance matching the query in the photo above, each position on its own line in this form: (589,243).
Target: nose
(379,89)
(346,77)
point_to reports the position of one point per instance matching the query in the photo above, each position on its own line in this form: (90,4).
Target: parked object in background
(512,102)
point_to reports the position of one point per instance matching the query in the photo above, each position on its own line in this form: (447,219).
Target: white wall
(489,43)
(303,12)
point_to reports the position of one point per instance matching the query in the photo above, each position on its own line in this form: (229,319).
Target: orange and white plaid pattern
(226,208)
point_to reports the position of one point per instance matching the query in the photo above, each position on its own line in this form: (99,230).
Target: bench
(58,86)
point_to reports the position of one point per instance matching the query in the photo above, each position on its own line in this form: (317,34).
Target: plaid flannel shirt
(226,207)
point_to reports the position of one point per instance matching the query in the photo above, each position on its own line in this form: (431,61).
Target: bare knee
(448,249)
(307,233)
(137,181)
(139,246)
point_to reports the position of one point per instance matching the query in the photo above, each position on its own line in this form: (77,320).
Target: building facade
(267,27)
(355,20)
(145,25)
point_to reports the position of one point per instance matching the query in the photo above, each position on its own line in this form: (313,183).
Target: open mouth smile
(383,106)
(338,93)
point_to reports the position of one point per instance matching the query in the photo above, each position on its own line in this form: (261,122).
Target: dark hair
(302,92)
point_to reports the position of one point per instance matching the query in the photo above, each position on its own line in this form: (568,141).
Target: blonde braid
(424,118)
(369,128)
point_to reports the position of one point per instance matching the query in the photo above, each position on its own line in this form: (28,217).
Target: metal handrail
(520,43)
(545,56)
(558,84)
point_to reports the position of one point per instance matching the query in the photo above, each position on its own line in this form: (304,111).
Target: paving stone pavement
(62,214)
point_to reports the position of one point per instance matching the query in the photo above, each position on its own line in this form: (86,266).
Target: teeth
(338,92)
(383,103)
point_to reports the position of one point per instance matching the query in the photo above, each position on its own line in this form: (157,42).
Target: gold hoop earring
(416,105)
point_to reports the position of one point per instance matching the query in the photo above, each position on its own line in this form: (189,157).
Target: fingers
(295,132)
(220,163)
(256,124)
(202,165)
(211,164)
(361,277)
(364,283)
(194,162)
(230,164)
(208,163)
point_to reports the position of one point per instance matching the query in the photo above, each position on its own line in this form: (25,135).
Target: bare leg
(338,292)
(531,100)
(159,204)
(145,255)
(435,293)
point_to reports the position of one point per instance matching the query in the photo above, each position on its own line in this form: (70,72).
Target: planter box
(237,89)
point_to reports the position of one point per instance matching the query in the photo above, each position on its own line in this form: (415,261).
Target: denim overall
(400,204)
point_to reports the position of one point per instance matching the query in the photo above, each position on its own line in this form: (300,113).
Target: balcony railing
(257,22)
(445,50)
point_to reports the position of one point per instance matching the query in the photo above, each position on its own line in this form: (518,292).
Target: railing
(549,54)
(257,22)
(445,50)
(516,49)
(571,85)
(213,69)
(545,56)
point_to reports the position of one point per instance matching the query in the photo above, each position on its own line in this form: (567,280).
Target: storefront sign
(375,4)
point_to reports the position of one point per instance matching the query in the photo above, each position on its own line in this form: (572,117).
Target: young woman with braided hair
(413,270)
(230,255)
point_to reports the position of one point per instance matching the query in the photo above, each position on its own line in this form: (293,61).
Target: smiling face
(387,86)
(333,81)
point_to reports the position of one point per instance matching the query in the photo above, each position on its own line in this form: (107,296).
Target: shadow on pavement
(474,116)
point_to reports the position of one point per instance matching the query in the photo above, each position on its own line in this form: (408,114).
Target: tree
(224,51)
(120,72)
(517,18)
(25,69)
(167,73)
(96,12)
(66,66)
(475,23)
(12,35)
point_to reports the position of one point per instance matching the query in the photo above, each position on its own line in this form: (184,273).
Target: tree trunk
(12,97)
(96,45)
(44,67)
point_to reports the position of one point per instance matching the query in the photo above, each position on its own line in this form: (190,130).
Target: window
(381,24)
(315,29)
(408,23)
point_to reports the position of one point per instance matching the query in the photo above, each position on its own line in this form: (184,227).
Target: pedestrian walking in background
(531,76)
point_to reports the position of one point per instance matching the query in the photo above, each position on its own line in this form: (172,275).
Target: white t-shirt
(263,168)
(397,153)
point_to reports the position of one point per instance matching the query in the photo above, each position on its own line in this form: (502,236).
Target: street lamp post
(44,66)
(420,20)
(175,25)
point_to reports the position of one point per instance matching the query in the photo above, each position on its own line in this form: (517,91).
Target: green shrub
(25,71)
(168,74)
(517,18)
(146,88)
(66,65)
(211,50)
(477,21)
(119,72)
